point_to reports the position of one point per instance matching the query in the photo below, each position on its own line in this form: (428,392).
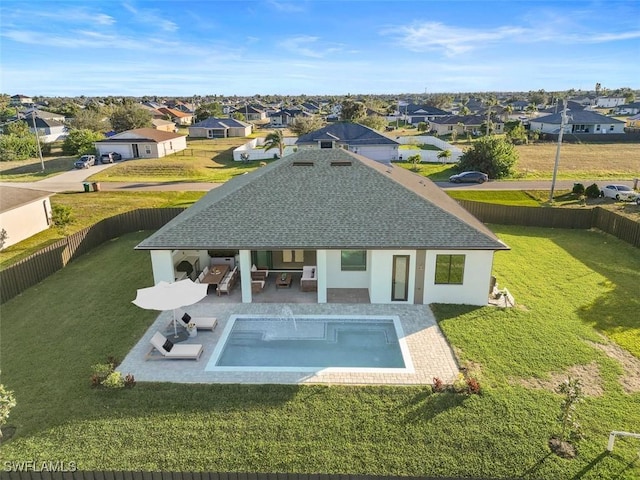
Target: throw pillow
(186,318)
(254,268)
(168,345)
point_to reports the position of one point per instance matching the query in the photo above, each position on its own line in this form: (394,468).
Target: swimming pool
(311,343)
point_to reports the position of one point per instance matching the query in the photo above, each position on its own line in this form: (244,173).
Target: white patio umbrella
(169,296)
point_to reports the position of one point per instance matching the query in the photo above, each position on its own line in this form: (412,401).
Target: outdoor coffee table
(283,281)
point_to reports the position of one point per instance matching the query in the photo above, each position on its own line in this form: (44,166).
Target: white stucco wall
(162,266)
(475,287)
(380,266)
(380,153)
(336,278)
(25,221)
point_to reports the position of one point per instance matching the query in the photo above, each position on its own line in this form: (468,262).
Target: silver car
(619,192)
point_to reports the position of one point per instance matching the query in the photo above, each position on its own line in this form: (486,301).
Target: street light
(563,123)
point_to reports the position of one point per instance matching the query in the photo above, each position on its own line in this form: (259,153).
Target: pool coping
(430,353)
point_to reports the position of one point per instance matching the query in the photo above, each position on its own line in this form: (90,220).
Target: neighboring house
(571,106)
(415,114)
(464,123)
(155,113)
(519,105)
(285,116)
(42,114)
(164,125)
(220,128)
(251,113)
(609,102)
(143,143)
(23,213)
(353,137)
(579,122)
(180,118)
(358,223)
(20,100)
(310,107)
(634,122)
(627,109)
(49,131)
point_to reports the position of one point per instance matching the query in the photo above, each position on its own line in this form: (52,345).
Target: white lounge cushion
(178,351)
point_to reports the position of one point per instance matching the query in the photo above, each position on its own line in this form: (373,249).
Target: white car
(619,192)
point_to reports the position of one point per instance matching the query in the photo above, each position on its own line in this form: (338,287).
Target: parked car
(110,157)
(619,192)
(85,161)
(469,177)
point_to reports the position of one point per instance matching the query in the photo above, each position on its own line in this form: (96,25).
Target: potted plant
(191,329)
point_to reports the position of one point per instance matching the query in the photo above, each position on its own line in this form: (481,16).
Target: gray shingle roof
(347,132)
(213,122)
(577,117)
(364,205)
(14,197)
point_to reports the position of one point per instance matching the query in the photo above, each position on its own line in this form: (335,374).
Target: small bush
(438,384)
(578,189)
(100,372)
(459,384)
(592,191)
(473,386)
(114,380)
(129,381)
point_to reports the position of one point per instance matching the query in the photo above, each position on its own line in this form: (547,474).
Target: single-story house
(464,123)
(634,121)
(352,222)
(180,118)
(609,102)
(48,130)
(251,113)
(415,114)
(220,128)
(143,143)
(284,117)
(627,109)
(353,137)
(164,125)
(42,114)
(579,122)
(23,213)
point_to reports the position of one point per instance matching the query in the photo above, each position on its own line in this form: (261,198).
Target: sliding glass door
(400,278)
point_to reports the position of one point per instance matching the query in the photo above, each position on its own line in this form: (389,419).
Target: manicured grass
(433,171)
(31,170)
(89,208)
(570,283)
(420,146)
(533,198)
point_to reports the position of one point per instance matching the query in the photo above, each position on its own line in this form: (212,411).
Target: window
(450,269)
(611,128)
(170,145)
(147,149)
(327,144)
(353,260)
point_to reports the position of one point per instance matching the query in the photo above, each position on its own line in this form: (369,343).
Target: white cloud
(150,17)
(287,7)
(310,46)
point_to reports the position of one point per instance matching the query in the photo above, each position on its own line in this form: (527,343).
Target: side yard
(575,290)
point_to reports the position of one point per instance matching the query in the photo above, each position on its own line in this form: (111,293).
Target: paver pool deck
(430,353)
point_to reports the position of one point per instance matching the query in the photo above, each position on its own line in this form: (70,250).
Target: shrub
(473,386)
(129,381)
(438,384)
(578,189)
(100,372)
(592,191)
(459,384)
(7,402)
(61,216)
(492,155)
(114,380)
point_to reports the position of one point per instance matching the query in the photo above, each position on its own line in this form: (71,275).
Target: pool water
(310,343)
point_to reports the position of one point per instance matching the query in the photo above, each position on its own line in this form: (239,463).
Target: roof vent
(302,163)
(341,163)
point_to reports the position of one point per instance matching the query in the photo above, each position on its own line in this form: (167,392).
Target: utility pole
(33,120)
(555,167)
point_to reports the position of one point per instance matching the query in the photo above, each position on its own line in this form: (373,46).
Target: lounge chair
(309,280)
(258,274)
(228,282)
(202,323)
(174,351)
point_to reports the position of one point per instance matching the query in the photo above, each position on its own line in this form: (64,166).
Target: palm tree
(275,140)
(444,155)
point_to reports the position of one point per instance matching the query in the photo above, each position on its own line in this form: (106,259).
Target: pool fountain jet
(287,314)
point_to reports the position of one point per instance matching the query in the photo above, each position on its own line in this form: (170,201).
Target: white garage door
(121,148)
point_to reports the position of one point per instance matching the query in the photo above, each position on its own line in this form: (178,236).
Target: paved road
(72,181)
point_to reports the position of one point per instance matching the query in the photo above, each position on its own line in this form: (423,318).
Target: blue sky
(313,47)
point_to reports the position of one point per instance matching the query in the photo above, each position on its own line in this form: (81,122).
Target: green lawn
(529,198)
(89,208)
(569,285)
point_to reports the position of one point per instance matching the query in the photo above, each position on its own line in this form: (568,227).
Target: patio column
(321,272)
(162,266)
(245,275)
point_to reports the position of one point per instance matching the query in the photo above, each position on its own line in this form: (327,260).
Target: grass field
(211,160)
(570,285)
(89,208)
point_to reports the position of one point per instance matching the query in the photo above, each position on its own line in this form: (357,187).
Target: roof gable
(143,134)
(360,204)
(14,197)
(577,117)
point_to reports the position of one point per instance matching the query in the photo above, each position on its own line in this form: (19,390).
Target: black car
(110,157)
(469,177)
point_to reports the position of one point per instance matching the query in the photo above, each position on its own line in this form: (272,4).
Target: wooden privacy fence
(610,222)
(35,268)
